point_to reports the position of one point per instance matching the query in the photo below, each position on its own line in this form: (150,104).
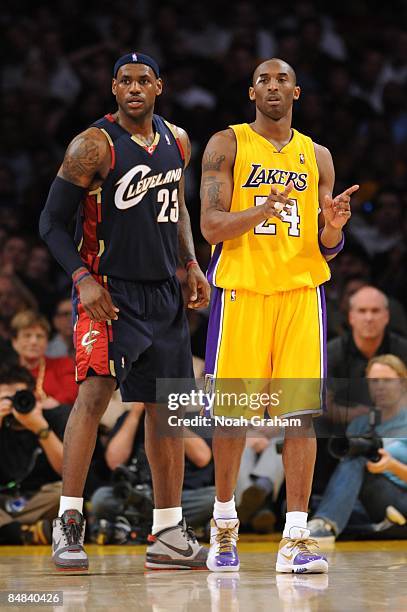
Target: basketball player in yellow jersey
(267,205)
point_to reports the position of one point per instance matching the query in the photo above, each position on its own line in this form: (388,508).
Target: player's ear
(252,94)
(114,87)
(158,87)
(297,92)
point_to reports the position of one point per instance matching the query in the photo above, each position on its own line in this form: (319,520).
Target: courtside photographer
(369,486)
(31,459)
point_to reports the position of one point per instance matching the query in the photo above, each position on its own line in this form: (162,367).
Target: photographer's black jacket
(347,363)
(17,448)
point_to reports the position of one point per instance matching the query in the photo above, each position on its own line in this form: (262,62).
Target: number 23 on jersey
(169,205)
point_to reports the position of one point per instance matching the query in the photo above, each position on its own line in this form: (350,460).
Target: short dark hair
(12,373)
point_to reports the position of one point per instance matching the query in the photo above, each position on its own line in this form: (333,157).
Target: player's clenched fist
(96,300)
(278,202)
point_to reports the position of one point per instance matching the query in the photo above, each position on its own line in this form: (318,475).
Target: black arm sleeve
(62,203)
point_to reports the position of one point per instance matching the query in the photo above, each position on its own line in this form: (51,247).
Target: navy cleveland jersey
(127,227)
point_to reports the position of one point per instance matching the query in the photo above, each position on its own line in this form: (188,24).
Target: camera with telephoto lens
(132,491)
(23,402)
(364,445)
(132,486)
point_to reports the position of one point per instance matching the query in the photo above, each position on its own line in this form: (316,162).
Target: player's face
(274,90)
(136,88)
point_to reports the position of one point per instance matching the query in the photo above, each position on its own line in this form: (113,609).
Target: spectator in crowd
(338,310)
(127,443)
(31,462)
(14,298)
(371,486)
(368,318)
(61,344)
(14,254)
(55,377)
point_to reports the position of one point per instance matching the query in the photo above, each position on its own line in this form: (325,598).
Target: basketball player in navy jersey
(125,176)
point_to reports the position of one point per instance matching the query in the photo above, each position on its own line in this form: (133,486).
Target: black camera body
(132,485)
(356,446)
(365,445)
(23,402)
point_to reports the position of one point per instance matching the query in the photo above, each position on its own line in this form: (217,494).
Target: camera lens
(23,401)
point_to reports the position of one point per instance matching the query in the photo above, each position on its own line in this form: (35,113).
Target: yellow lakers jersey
(276,255)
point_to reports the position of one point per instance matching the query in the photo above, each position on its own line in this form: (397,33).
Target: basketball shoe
(223,555)
(175,548)
(67,541)
(297,554)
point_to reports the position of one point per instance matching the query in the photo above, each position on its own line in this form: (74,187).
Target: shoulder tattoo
(82,158)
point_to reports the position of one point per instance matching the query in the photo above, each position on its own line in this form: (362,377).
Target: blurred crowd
(55,80)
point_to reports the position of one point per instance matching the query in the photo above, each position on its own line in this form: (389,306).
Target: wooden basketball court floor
(365,576)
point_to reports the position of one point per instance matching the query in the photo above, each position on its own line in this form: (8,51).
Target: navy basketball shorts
(149,340)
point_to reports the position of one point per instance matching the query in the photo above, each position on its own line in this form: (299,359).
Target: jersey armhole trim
(111,145)
(173,131)
(232,127)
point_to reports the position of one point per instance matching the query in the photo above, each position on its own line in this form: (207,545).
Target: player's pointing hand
(337,210)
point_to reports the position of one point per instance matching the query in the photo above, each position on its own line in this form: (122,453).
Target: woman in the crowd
(55,377)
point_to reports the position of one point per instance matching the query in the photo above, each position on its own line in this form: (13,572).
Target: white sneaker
(296,554)
(175,548)
(223,555)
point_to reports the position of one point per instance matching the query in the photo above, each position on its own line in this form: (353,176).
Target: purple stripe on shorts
(210,274)
(214,330)
(324,330)
(324,373)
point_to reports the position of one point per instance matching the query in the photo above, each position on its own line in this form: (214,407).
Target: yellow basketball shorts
(274,343)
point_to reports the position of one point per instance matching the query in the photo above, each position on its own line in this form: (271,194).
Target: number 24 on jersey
(269,227)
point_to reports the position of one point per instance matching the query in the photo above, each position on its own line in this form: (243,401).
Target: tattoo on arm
(212,161)
(213,187)
(81,160)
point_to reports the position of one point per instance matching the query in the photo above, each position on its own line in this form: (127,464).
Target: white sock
(294,519)
(224,510)
(165,517)
(70,503)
